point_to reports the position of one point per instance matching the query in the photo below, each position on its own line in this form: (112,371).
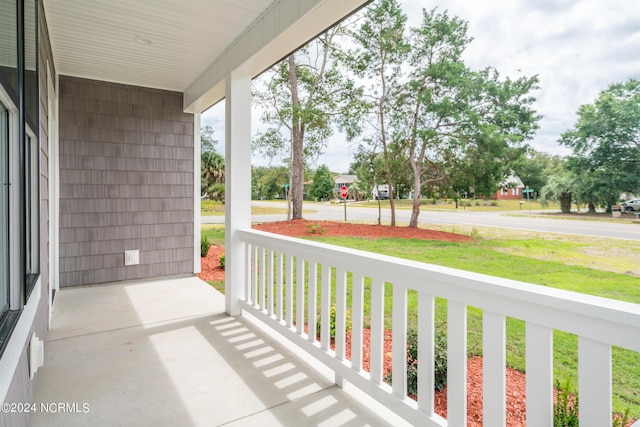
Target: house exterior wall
(21,388)
(514,193)
(126,182)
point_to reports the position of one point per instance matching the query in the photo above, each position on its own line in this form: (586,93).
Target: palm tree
(559,188)
(212,174)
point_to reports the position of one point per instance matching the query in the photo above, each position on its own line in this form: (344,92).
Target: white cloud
(577,48)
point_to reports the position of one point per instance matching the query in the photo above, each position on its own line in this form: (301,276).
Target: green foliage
(204,246)
(266,183)
(440,360)
(621,420)
(332,322)
(565,410)
(212,175)
(222,260)
(453,128)
(304,98)
(207,141)
(559,188)
(323,183)
(314,228)
(604,140)
(535,168)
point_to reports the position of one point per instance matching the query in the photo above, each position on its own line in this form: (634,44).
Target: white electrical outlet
(132,257)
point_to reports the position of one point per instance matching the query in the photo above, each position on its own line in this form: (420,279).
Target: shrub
(332,322)
(314,228)
(495,203)
(475,234)
(440,360)
(565,410)
(204,246)
(222,261)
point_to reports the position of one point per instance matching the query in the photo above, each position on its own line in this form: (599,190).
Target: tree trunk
(392,203)
(565,202)
(417,191)
(297,161)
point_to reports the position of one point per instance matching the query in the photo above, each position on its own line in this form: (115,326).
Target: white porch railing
(275,263)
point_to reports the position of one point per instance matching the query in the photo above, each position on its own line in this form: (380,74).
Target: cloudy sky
(576,47)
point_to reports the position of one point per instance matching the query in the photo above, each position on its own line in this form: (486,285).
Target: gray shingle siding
(126,182)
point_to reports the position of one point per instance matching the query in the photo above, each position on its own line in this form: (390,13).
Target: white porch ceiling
(98,39)
(183,45)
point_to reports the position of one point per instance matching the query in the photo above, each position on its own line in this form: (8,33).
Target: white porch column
(197,155)
(237,184)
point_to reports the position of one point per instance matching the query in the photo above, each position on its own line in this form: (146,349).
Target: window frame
(23,139)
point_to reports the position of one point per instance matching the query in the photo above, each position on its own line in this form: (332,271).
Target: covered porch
(164,353)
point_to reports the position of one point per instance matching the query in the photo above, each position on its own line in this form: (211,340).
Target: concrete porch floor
(164,353)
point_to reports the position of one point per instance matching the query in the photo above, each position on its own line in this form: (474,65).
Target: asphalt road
(523,221)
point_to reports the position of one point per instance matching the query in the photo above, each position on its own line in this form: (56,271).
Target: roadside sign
(528,190)
(344,192)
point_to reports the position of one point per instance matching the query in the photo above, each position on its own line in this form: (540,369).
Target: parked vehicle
(631,205)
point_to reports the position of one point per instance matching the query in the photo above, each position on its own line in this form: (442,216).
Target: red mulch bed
(302,227)
(516,383)
(210,265)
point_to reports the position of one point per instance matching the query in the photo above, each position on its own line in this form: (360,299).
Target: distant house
(345,180)
(510,188)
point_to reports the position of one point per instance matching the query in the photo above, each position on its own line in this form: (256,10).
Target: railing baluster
(279,261)
(300,294)
(539,354)
(341,311)
(457,364)
(494,369)
(289,292)
(426,340)
(341,317)
(613,323)
(247,278)
(312,299)
(254,277)
(325,307)
(263,278)
(357,320)
(377,332)
(594,383)
(399,346)
(270,282)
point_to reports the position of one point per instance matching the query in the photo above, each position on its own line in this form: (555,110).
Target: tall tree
(448,113)
(211,166)
(559,188)
(304,96)
(207,140)
(535,168)
(606,142)
(323,183)
(381,49)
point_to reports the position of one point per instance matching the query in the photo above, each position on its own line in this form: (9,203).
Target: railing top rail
(612,321)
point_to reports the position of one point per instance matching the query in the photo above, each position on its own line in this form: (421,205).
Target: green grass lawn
(601,267)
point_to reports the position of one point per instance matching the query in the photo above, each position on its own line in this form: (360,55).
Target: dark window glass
(4,210)
(30,63)
(9,47)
